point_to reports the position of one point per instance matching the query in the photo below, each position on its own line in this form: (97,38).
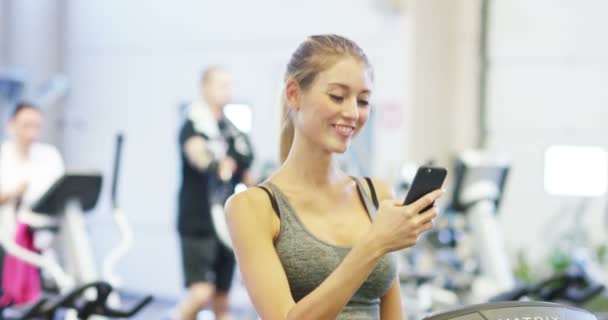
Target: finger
(427,216)
(391,203)
(411,240)
(428,226)
(426,200)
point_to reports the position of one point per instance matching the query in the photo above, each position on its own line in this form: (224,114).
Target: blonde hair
(313,56)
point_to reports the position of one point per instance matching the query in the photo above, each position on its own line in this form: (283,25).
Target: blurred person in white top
(27,169)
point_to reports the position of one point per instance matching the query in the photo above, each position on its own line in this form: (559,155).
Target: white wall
(445,79)
(547,79)
(132,62)
(32,44)
(2,32)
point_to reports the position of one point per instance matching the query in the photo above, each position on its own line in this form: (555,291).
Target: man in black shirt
(215,157)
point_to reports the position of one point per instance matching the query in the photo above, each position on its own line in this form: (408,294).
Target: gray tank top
(308,261)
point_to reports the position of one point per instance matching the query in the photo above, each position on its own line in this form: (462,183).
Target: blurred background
(523,81)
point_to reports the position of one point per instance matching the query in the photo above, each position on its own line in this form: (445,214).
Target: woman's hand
(397,226)
(19,192)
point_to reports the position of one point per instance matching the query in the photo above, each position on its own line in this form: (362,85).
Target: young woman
(27,169)
(312,242)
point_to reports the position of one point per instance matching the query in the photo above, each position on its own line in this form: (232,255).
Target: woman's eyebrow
(345,87)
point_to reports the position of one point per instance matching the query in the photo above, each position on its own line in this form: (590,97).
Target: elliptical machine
(80,290)
(89,301)
(514,310)
(126,233)
(65,203)
(478,188)
(479,184)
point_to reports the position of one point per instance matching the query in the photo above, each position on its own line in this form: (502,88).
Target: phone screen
(427,179)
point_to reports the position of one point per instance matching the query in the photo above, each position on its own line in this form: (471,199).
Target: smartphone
(427,179)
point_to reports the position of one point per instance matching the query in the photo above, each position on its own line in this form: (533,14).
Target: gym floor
(162,308)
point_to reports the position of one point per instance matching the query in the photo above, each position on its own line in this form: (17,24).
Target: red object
(20,280)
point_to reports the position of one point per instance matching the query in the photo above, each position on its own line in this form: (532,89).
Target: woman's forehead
(28,114)
(348,74)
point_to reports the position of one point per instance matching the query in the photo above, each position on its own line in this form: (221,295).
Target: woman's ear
(292,94)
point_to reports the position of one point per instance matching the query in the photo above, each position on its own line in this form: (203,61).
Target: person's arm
(252,224)
(391,307)
(194,147)
(390,303)
(241,150)
(197,153)
(13,195)
(199,156)
(6,197)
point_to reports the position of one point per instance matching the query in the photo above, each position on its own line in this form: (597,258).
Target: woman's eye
(363,102)
(336,98)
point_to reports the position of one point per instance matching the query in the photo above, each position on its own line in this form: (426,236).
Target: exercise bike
(67,201)
(78,302)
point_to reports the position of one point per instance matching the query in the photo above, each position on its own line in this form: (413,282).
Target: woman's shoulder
(252,208)
(253,201)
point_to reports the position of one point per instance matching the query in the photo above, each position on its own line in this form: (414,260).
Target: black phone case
(427,179)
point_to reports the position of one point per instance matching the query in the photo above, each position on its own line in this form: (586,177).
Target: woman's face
(218,89)
(26,126)
(335,107)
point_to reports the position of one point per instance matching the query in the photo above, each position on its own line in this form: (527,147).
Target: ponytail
(287,130)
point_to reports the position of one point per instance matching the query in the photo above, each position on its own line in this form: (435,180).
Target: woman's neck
(217,112)
(23,150)
(311,166)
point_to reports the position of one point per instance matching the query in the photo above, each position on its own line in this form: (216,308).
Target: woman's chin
(340,148)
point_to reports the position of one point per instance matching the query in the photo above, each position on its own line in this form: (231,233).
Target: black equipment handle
(117,156)
(48,307)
